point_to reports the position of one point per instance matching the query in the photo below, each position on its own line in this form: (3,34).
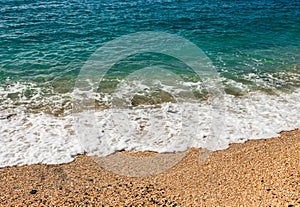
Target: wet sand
(256,173)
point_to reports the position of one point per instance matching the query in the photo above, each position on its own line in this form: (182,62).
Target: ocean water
(254,48)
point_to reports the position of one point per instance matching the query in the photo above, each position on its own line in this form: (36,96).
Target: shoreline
(262,172)
(31,138)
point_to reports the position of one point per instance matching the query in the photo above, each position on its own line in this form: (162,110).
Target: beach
(262,172)
(150,103)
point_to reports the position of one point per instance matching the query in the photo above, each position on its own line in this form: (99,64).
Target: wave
(39,137)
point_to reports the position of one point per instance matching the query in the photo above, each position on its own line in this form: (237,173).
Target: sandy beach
(256,173)
(186,103)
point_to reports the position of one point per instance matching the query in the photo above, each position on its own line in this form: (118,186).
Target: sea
(100,76)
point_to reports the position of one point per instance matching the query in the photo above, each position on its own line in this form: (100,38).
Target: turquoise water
(254,44)
(46,44)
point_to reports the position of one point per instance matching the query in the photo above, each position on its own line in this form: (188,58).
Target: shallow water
(254,46)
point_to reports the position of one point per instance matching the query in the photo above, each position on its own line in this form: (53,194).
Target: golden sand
(255,173)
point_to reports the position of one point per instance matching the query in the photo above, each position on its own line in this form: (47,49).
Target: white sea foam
(37,138)
(28,138)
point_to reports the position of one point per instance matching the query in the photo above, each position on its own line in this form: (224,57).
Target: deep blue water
(49,40)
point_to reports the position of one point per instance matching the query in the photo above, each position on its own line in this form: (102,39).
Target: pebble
(33,192)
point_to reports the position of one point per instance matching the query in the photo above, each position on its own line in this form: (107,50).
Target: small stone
(33,192)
